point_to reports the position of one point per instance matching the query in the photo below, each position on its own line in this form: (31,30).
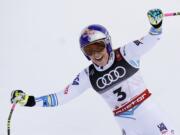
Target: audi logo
(110,77)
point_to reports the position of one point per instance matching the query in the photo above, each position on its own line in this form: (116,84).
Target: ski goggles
(97,46)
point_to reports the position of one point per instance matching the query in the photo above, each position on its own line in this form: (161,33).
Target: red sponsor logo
(66,90)
(133,102)
(88,32)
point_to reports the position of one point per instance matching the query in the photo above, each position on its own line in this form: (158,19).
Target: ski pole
(9,118)
(172,14)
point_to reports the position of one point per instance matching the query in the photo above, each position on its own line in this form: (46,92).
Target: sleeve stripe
(49,100)
(56,99)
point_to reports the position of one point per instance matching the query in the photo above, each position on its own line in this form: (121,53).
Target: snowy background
(39,53)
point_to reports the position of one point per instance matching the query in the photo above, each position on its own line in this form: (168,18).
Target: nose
(96,54)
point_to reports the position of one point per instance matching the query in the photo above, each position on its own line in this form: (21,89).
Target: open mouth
(99,58)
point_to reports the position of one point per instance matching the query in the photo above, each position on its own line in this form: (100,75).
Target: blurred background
(40,54)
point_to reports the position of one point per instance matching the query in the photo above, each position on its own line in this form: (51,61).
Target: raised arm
(74,89)
(137,48)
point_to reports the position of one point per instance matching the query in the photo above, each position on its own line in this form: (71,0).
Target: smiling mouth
(99,58)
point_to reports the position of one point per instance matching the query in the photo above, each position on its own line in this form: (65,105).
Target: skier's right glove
(155,17)
(20,97)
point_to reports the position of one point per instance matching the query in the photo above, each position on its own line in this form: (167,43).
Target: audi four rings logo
(111,77)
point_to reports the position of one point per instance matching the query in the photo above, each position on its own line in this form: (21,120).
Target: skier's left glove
(155,17)
(20,97)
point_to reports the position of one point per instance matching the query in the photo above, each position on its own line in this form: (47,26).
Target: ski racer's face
(97,53)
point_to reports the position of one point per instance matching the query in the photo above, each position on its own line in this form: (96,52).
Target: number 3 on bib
(120,94)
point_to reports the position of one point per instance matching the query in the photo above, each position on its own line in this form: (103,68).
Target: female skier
(115,75)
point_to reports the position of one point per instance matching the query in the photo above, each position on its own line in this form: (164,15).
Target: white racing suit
(122,87)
